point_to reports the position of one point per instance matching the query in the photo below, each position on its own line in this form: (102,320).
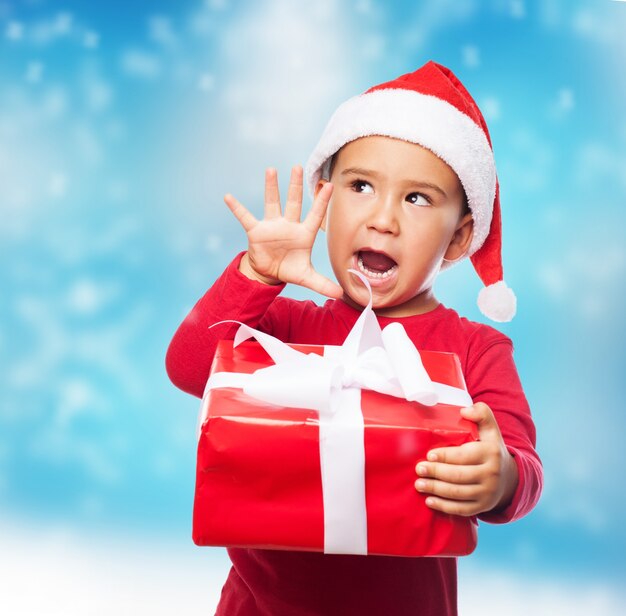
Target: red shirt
(276,582)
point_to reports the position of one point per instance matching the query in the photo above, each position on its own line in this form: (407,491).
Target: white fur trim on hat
(428,121)
(498,302)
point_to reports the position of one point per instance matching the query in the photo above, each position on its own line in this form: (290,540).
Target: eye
(361,186)
(418,199)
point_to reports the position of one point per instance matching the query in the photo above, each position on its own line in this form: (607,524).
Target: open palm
(280,245)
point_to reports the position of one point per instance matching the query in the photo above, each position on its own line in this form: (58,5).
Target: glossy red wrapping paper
(258,482)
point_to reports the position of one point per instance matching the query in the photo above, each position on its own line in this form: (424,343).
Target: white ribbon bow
(385,361)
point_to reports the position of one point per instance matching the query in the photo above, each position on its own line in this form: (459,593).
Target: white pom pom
(498,302)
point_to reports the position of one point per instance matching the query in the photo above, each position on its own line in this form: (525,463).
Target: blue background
(122,125)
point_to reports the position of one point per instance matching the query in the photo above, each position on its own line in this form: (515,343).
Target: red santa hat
(432,108)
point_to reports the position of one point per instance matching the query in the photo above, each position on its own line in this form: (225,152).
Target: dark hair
(331,165)
(465,208)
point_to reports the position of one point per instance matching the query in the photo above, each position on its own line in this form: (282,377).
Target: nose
(383,216)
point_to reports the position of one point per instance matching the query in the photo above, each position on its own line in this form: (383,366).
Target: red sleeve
(233,296)
(492,378)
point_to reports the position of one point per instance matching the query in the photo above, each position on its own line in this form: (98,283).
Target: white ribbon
(385,361)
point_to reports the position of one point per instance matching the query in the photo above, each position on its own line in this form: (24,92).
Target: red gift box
(259,484)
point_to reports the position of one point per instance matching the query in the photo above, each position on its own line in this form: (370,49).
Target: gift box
(314,448)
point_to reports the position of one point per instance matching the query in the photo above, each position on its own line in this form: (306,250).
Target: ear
(318,187)
(461,240)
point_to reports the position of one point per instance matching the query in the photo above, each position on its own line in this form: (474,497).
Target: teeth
(372,274)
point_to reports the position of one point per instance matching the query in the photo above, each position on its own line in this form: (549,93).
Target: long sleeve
(232,297)
(492,378)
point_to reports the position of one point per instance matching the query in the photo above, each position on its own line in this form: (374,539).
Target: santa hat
(432,108)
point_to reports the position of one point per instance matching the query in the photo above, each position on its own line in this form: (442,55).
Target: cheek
(339,218)
(432,229)
(334,236)
(426,241)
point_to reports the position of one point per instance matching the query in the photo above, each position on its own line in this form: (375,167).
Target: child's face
(385,221)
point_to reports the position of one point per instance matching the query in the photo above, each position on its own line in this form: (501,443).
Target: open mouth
(375,264)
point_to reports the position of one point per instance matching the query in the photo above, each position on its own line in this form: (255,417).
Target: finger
(454,507)
(452,473)
(246,219)
(447,490)
(482,415)
(272,194)
(293,206)
(314,218)
(320,284)
(467,453)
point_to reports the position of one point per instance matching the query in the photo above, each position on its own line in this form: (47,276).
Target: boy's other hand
(471,478)
(279,246)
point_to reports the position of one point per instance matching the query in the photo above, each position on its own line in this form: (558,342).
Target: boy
(405,185)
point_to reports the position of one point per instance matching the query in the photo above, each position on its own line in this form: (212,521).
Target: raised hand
(279,245)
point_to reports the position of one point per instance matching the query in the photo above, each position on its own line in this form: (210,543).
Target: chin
(360,297)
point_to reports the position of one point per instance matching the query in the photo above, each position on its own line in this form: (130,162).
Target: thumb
(321,284)
(483,416)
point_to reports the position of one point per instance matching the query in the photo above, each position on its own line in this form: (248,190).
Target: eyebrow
(375,174)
